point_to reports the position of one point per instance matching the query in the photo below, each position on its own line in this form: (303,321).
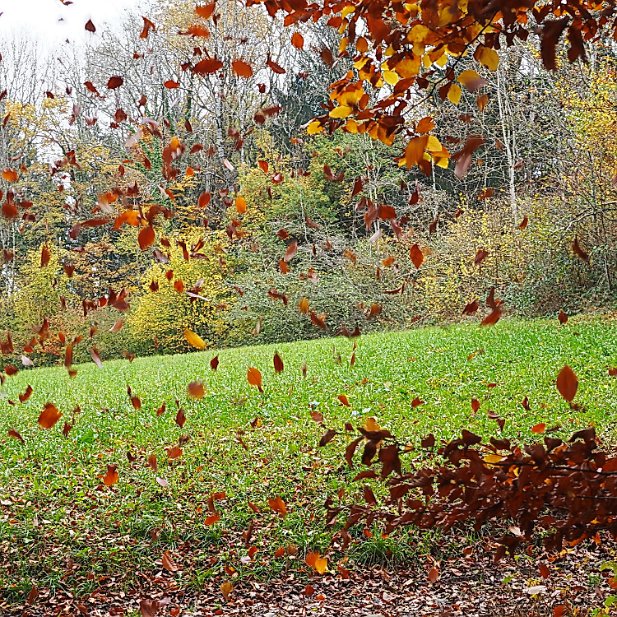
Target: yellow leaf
(341,112)
(390,77)
(314,127)
(470,79)
(370,424)
(194,339)
(454,94)
(487,56)
(493,458)
(226,589)
(433,144)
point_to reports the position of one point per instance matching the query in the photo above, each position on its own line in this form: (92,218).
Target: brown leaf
(578,251)
(111,475)
(278,363)
(567,383)
(115,82)
(49,416)
(146,237)
(15,435)
(196,389)
(278,505)
(416,255)
(168,562)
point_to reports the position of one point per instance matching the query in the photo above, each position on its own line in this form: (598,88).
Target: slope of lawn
(61,528)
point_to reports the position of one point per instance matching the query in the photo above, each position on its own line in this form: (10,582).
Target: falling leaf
(278,363)
(45,256)
(49,416)
(194,339)
(567,383)
(212,519)
(214,363)
(90,27)
(208,66)
(115,82)
(297,40)
(253,376)
(562,317)
(15,435)
(578,251)
(538,428)
(416,255)
(343,400)
(433,574)
(146,237)
(196,389)
(242,69)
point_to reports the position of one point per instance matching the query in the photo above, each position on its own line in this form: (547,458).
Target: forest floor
(196,475)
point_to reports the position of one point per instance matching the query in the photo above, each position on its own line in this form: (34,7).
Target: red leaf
(278,505)
(146,237)
(567,383)
(416,255)
(207,66)
(115,82)
(49,416)
(278,363)
(90,27)
(111,476)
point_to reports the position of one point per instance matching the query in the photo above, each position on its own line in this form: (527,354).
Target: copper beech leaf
(416,255)
(567,383)
(253,376)
(49,416)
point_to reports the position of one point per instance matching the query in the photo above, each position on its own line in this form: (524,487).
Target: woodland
(311,308)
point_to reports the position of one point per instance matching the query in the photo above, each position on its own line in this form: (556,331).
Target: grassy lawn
(61,527)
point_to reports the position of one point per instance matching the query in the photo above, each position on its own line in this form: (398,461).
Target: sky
(50,22)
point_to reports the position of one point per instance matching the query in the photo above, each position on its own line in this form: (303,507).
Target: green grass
(60,527)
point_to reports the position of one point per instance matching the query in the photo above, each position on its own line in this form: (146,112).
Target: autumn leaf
(214,363)
(297,40)
(226,589)
(49,416)
(567,383)
(416,255)
(90,27)
(196,389)
(115,82)
(278,505)
(315,561)
(208,66)
(242,68)
(343,400)
(45,256)
(111,475)
(146,237)
(278,363)
(168,562)
(194,339)
(253,376)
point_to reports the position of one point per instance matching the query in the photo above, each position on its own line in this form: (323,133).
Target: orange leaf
(49,416)
(111,476)
(146,237)
(567,383)
(212,519)
(196,389)
(205,10)
(297,40)
(240,204)
(278,505)
(315,561)
(208,66)
(242,69)
(538,428)
(414,152)
(343,400)
(168,562)
(253,376)
(10,175)
(226,589)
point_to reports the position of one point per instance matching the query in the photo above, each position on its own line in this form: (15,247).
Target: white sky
(50,22)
